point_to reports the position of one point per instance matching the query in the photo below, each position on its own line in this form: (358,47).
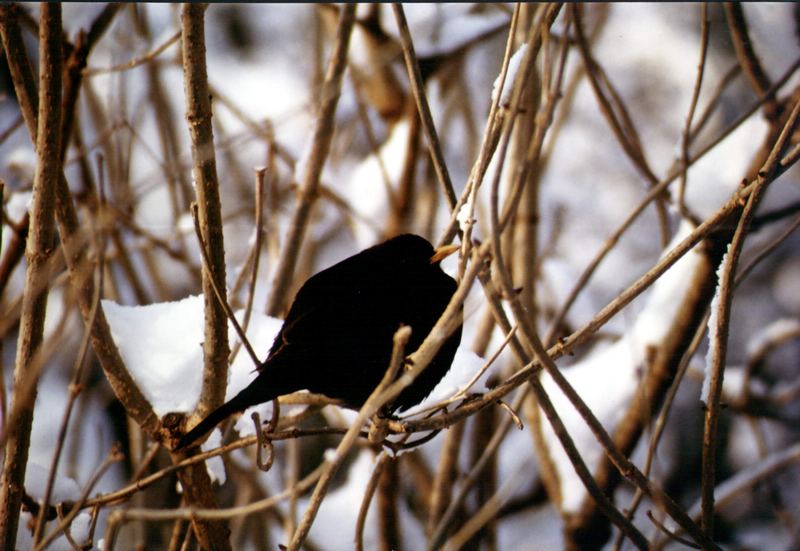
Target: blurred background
(129,169)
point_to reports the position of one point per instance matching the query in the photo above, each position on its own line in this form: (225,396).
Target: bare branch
(320,147)
(38,250)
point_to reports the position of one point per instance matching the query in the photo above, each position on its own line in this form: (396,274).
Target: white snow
(465,214)
(214,466)
(465,364)
(330,455)
(18,204)
(78,529)
(65,488)
(713,341)
(162,347)
(368,191)
(511,77)
(21,163)
(335,524)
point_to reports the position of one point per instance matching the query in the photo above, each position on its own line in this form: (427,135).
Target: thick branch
(73,238)
(195,480)
(38,250)
(198,115)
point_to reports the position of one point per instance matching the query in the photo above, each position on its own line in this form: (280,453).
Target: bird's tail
(238,403)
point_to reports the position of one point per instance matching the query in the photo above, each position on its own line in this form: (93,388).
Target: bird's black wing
(319,308)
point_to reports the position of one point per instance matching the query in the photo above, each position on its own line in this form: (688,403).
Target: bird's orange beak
(443,252)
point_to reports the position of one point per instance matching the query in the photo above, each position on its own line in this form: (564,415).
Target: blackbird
(337,337)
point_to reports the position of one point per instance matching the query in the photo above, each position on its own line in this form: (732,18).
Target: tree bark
(38,250)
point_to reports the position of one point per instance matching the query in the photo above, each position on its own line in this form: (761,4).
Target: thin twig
(674,173)
(218,293)
(259,216)
(264,465)
(686,135)
(620,122)
(380,464)
(376,400)
(767,250)
(136,61)
(464,389)
(113,456)
(195,480)
(751,66)
(446,474)
(534,348)
(731,489)
(719,346)
(494,124)
(672,536)
(320,147)
(714,100)
(119,516)
(73,237)
(661,421)
(424,110)
(74,390)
